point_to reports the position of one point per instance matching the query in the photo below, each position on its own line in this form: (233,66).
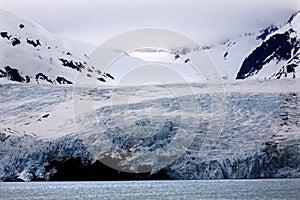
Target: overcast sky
(205,21)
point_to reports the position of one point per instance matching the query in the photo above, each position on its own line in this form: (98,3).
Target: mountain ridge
(249,56)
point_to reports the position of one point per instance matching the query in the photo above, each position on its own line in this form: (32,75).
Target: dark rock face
(101,79)
(42,77)
(34,43)
(62,80)
(12,74)
(5,35)
(15,41)
(278,47)
(109,75)
(74,65)
(2,73)
(27,79)
(225,55)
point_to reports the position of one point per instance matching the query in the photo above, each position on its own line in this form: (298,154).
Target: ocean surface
(142,190)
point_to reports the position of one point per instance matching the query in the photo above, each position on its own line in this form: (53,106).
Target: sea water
(142,190)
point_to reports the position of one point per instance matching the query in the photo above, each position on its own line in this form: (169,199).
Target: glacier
(41,130)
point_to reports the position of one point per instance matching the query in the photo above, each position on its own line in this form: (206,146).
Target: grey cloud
(205,21)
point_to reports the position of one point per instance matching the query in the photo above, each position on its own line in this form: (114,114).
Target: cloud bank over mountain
(204,21)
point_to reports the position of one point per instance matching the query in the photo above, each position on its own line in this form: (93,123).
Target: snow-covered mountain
(31,54)
(277,55)
(272,53)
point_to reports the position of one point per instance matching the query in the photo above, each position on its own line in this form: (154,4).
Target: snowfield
(250,130)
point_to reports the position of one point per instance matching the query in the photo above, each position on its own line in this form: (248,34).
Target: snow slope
(31,54)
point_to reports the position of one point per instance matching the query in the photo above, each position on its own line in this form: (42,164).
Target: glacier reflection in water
(209,189)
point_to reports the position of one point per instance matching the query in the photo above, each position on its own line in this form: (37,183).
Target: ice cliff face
(259,138)
(31,54)
(27,158)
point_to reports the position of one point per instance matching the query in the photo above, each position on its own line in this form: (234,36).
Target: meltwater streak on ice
(192,190)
